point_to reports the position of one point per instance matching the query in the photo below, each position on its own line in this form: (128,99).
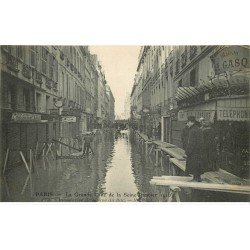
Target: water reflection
(116,172)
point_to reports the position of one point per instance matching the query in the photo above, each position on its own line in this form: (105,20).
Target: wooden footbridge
(174,159)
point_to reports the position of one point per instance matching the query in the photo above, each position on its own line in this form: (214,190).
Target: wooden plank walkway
(179,163)
(163,144)
(177,153)
(220,181)
(186,183)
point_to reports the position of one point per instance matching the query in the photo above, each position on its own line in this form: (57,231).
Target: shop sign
(25,117)
(68,119)
(233,114)
(230,59)
(207,114)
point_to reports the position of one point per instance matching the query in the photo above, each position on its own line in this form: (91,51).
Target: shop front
(232,127)
(230,119)
(20,131)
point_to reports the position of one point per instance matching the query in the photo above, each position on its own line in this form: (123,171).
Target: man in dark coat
(159,131)
(87,143)
(194,150)
(209,146)
(184,137)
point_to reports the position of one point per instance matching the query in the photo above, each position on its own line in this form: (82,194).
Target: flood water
(118,171)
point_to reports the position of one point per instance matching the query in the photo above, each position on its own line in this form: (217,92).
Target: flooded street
(118,171)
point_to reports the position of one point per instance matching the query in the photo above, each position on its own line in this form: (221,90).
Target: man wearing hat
(194,150)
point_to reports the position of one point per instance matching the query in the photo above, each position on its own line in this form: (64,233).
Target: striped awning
(234,79)
(186,92)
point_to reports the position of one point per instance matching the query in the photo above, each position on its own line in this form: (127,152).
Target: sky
(119,64)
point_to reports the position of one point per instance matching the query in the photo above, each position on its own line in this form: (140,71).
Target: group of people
(198,138)
(85,142)
(154,132)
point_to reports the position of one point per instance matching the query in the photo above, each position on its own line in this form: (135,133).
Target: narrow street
(116,172)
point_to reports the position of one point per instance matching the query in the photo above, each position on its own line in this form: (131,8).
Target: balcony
(12,63)
(193,52)
(55,87)
(39,77)
(26,71)
(48,83)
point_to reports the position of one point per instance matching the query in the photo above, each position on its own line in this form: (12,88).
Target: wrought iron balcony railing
(39,78)
(26,71)
(12,63)
(48,83)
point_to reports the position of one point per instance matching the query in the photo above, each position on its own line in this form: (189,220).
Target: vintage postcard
(125,123)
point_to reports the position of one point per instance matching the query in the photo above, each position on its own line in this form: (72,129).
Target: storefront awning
(186,92)
(237,78)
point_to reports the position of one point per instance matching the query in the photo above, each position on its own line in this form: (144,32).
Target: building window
(55,63)
(44,60)
(47,103)
(192,77)
(7,96)
(51,66)
(75,93)
(61,85)
(32,56)
(68,87)
(20,53)
(38,102)
(26,99)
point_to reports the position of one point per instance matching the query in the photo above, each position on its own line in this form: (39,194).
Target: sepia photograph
(155,123)
(124,125)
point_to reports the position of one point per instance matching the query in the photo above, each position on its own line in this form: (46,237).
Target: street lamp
(59,104)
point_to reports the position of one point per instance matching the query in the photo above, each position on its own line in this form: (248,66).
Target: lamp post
(59,104)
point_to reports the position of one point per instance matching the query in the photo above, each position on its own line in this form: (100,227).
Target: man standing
(159,131)
(194,150)
(209,146)
(87,143)
(184,136)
